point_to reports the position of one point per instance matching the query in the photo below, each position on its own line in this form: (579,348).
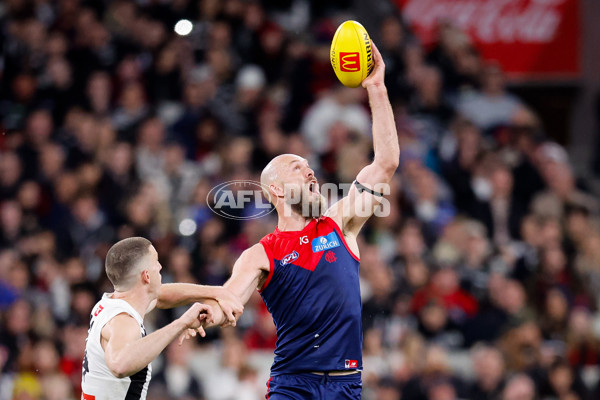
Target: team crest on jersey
(325,242)
(289,258)
(330,257)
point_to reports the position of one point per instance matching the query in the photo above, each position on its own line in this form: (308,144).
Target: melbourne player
(307,269)
(118,351)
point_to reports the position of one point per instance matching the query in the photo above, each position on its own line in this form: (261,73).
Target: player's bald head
(272,173)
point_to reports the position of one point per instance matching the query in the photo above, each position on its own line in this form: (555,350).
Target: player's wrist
(376,87)
(180,324)
(210,292)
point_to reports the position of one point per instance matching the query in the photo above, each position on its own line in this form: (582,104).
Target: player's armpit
(248,271)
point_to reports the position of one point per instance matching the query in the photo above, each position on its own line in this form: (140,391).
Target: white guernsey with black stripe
(97,382)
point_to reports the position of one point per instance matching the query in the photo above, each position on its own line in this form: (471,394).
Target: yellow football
(351,55)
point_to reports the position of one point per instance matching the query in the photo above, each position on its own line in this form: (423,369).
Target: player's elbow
(388,165)
(118,372)
(118,368)
(162,304)
(164,299)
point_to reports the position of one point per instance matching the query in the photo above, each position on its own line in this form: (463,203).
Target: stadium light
(183,27)
(187,227)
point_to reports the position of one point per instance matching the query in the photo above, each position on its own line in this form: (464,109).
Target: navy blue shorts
(307,386)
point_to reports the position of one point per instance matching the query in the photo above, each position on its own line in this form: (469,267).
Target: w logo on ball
(349,62)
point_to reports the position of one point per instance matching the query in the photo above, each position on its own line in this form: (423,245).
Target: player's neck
(292,222)
(136,297)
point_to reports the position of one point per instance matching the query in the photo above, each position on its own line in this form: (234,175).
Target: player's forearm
(385,137)
(179,294)
(138,354)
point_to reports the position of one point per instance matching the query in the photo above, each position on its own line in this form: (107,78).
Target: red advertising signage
(531,39)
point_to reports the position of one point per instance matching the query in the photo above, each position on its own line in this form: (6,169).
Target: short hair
(122,258)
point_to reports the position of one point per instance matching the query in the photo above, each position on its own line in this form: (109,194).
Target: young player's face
(154,269)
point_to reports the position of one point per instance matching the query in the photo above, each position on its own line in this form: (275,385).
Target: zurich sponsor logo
(325,242)
(289,258)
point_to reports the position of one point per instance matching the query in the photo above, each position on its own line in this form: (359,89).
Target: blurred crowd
(482,284)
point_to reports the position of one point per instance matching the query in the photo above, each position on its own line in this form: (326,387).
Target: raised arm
(179,294)
(353,210)
(126,352)
(249,273)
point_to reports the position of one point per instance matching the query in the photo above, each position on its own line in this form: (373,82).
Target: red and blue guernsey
(313,293)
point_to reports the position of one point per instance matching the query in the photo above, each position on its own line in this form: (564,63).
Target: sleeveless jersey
(313,294)
(97,382)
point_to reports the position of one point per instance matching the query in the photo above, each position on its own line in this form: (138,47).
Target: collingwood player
(118,351)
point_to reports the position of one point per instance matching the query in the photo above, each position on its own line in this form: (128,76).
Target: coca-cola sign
(530,38)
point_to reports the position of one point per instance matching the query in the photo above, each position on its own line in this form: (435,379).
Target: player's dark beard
(308,208)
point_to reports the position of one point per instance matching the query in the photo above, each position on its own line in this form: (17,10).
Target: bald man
(307,269)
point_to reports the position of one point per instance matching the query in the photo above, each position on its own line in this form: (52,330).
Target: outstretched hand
(377,76)
(231,305)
